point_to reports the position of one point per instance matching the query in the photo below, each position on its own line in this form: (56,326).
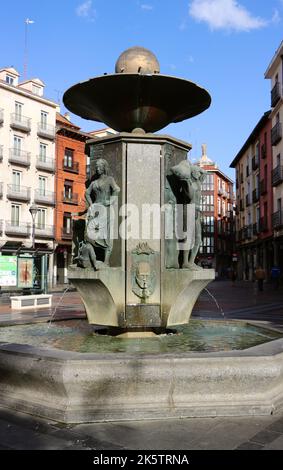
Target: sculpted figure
(190,178)
(100,196)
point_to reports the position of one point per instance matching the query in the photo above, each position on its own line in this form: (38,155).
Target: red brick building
(69,190)
(253,165)
(217,218)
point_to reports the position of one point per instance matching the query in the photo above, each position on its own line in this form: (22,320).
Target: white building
(27,165)
(275,74)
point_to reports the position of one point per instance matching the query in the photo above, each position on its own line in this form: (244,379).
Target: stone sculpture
(100,196)
(190,178)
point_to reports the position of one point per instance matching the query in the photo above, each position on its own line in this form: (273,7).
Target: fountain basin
(77,387)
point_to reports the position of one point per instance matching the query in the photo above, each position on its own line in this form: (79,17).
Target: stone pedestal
(144,285)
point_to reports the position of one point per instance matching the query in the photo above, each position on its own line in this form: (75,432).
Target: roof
(37,81)
(62,120)
(274,62)
(10,70)
(252,137)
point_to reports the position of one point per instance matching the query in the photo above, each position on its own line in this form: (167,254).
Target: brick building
(69,190)
(217,217)
(253,165)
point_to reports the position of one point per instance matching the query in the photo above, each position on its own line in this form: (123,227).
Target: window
(43,119)
(68,189)
(278,159)
(67,222)
(42,180)
(41,218)
(42,152)
(16,180)
(9,80)
(69,158)
(219,205)
(18,110)
(17,145)
(15,215)
(279,204)
(36,90)
(208,184)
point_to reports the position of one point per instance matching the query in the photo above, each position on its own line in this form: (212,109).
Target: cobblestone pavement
(239,301)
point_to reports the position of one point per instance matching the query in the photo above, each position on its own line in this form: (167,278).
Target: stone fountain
(145,278)
(137,281)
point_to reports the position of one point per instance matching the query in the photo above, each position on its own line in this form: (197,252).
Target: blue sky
(224,45)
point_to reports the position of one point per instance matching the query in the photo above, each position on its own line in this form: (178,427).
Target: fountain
(134,267)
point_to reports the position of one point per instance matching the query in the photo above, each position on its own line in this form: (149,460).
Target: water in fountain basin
(199,336)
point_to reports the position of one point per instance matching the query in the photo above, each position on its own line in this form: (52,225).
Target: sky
(223,45)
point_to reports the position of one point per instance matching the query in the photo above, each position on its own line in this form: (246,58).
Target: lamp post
(33,210)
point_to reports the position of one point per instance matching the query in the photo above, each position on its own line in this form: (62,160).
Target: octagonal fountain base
(75,388)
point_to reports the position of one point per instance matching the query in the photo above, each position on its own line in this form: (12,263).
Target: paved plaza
(239,301)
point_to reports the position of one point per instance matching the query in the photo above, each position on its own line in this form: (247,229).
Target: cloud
(225,14)
(86,10)
(145,6)
(276,18)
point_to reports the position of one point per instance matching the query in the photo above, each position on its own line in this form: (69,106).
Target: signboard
(25,272)
(8,271)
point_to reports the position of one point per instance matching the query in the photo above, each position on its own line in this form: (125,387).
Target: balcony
(45,163)
(263,187)
(248,200)
(276,134)
(275,94)
(47,198)
(72,169)
(1,116)
(255,163)
(220,192)
(18,192)
(256,229)
(19,157)
(1,189)
(46,131)
(277,175)
(263,151)
(1,153)
(255,195)
(263,224)
(71,198)
(66,233)
(20,122)
(277,220)
(44,231)
(17,229)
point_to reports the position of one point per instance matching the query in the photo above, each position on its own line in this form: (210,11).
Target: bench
(21,302)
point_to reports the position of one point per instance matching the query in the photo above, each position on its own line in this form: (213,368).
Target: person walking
(260,276)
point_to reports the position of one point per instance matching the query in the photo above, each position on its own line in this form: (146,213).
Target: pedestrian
(275,276)
(260,276)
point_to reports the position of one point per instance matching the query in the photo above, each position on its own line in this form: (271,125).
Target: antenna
(27,22)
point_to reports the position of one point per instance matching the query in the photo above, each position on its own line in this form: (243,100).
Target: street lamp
(33,210)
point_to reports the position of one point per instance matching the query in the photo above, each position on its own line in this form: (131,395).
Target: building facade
(27,168)
(70,191)
(254,199)
(275,74)
(217,218)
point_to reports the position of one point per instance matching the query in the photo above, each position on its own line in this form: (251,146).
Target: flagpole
(27,22)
